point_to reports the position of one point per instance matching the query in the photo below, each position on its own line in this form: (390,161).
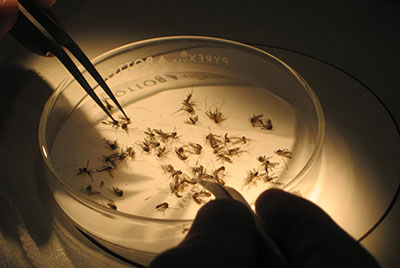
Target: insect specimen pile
(188,106)
(123,123)
(176,154)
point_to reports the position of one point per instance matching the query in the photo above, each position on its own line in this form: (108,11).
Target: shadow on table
(23,190)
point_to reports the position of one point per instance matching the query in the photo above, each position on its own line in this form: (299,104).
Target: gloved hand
(224,235)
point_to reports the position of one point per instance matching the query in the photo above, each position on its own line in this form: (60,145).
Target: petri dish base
(198,106)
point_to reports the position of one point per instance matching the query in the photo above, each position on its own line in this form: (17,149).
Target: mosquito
(109,169)
(227,139)
(176,173)
(198,196)
(256,119)
(192,120)
(114,123)
(83,171)
(150,133)
(284,153)
(267,125)
(153,144)
(90,191)
(215,115)
(268,165)
(217,174)
(168,168)
(165,135)
(113,159)
(213,140)
(145,146)
(242,139)
(252,176)
(188,100)
(234,151)
(129,152)
(180,152)
(198,171)
(218,149)
(112,144)
(118,192)
(218,171)
(107,104)
(207,176)
(234,139)
(177,187)
(162,152)
(162,207)
(111,204)
(223,157)
(124,124)
(270,179)
(188,104)
(187,179)
(196,148)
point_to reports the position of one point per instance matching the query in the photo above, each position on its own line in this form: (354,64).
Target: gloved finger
(222,235)
(28,35)
(306,235)
(8,15)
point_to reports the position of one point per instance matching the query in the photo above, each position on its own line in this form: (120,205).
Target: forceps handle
(51,38)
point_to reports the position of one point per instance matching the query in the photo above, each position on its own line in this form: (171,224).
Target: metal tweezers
(37,28)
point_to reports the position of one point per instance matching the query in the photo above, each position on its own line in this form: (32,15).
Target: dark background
(359,37)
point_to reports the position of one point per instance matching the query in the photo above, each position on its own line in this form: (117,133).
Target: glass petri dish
(198,107)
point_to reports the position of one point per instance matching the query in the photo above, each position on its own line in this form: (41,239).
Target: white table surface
(360,38)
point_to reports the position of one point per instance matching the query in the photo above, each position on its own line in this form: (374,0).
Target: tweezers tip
(126,117)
